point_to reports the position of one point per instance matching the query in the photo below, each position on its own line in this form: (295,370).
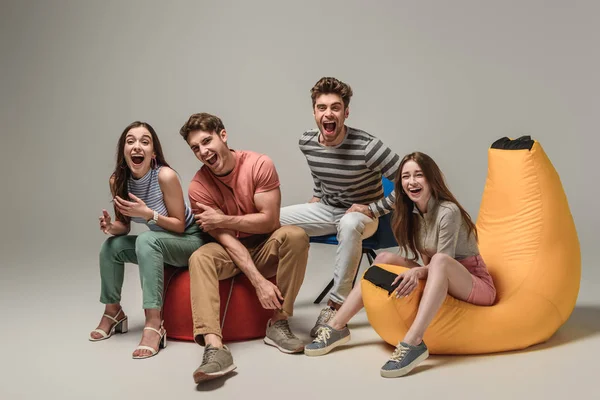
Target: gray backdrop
(446,78)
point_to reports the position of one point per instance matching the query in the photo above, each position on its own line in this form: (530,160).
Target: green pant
(150,250)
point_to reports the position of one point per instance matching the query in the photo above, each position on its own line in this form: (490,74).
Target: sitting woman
(145,190)
(428,220)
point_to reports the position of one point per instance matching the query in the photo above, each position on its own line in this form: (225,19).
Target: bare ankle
(213,340)
(336,325)
(153,317)
(412,340)
(112,309)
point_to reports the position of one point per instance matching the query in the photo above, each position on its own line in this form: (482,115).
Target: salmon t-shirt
(234,193)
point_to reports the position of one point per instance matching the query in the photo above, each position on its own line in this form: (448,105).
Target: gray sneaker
(280,335)
(324,317)
(404,359)
(216,362)
(327,339)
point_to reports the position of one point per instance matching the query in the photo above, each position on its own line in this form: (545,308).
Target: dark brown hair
(405,224)
(122,172)
(329,85)
(201,122)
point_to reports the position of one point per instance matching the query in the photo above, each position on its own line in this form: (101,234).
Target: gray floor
(49,310)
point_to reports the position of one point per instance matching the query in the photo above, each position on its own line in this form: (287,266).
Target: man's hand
(314,200)
(209,218)
(269,295)
(361,208)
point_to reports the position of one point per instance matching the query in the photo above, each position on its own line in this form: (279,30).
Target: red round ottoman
(242,316)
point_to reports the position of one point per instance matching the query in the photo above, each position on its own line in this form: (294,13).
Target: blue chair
(382,238)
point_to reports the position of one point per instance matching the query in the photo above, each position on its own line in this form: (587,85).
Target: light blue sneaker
(327,339)
(404,359)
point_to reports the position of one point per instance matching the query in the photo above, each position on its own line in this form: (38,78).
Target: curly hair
(328,85)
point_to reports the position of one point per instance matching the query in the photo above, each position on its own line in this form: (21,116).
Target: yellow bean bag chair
(528,240)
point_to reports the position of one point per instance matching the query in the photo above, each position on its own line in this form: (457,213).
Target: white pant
(320,219)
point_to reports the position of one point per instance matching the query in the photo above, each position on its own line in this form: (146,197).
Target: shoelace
(399,353)
(209,355)
(323,334)
(284,328)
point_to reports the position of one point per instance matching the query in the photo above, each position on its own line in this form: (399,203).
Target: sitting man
(346,165)
(236,199)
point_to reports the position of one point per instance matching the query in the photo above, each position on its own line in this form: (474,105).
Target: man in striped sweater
(346,165)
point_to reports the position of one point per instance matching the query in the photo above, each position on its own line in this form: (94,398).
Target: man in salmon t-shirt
(236,199)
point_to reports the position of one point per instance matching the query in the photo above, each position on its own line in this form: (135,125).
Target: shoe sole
(403,371)
(207,376)
(144,357)
(161,345)
(326,349)
(271,342)
(91,339)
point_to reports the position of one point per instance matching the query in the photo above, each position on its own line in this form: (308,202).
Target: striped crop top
(147,188)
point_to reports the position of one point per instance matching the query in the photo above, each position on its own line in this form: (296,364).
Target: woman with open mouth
(428,221)
(147,191)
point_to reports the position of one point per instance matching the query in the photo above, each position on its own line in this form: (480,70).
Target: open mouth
(415,191)
(137,159)
(211,160)
(329,127)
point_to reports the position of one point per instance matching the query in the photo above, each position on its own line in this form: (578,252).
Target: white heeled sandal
(120,326)
(161,345)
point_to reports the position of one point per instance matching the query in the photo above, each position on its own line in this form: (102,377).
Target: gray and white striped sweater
(350,173)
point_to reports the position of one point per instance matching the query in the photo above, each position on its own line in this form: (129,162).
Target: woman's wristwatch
(154,219)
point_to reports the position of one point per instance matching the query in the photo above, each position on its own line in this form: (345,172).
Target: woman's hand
(135,208)
(409,281)
(105,222)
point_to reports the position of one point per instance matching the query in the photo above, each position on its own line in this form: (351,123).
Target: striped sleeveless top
(147,188)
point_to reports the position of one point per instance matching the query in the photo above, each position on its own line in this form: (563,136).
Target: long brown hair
(405,224)
(122,172)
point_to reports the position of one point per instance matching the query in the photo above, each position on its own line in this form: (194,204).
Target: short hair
(201,122)
(328,85)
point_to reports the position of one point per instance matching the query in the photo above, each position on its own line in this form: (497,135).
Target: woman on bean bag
(428,221)
(147,191)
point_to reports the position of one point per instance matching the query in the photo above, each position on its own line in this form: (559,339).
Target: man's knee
(204,256)
(353,221)
(293,235)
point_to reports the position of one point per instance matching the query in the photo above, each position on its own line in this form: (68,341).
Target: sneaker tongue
(283,326)
(209,353)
